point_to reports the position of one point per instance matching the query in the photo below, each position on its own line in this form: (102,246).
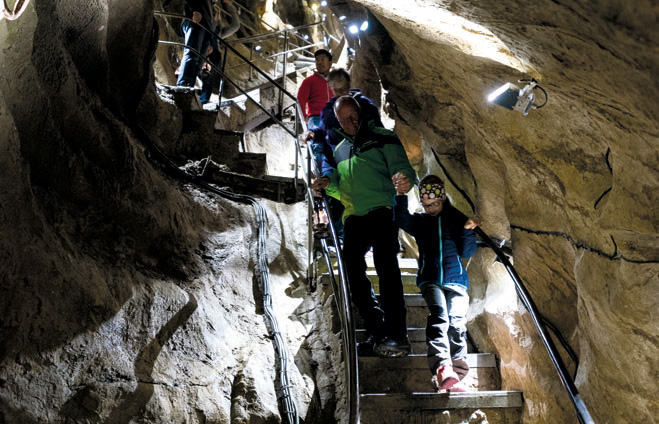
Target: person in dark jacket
(444,236)
(207,74)
(328,133)
(201,14)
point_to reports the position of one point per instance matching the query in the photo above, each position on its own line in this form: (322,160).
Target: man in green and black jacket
(367,159)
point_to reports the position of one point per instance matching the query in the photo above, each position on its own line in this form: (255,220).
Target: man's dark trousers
(377,230)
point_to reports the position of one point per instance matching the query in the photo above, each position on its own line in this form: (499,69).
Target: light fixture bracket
(512,97)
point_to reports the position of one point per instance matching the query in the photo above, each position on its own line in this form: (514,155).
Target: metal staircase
(392,390)
(399,390)
(242,114)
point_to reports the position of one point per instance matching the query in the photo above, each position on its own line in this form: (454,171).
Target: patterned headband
(431,191)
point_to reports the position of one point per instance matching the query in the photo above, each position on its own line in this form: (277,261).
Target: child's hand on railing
(472,223)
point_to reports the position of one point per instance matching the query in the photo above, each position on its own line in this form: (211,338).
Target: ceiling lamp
(512,97)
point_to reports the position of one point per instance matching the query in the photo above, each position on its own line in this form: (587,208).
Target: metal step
(493,407)
(417,338)
(411,374)
(409,265)
(417,312)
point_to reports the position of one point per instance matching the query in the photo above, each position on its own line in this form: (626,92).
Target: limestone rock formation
(130,296)
(574,184)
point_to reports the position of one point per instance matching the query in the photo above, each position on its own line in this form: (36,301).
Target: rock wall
(574,184)
(127,295)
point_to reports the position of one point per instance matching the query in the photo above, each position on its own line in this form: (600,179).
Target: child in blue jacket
(444,236)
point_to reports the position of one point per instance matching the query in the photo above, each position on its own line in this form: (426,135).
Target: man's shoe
(365,348)
(445,378)
(388,348)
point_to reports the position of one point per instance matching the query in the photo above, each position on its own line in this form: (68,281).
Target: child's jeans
(446,328)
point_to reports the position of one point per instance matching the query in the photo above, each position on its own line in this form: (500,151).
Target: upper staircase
(218,155)
(241,114)
(258,76)
(399,390)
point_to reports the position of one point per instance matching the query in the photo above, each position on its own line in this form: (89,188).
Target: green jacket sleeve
(397,162)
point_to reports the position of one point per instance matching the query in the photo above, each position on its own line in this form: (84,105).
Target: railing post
(224,64)
(280,100)
(251,57)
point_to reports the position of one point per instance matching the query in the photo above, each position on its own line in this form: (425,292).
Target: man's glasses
(353,118)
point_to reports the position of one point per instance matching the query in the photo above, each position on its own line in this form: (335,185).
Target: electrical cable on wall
(262,270)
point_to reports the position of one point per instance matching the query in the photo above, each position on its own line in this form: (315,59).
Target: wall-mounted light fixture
(512,97)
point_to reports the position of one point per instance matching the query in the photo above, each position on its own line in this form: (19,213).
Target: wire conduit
(262,270)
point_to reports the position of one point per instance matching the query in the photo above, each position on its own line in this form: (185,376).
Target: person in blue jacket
(329,133)
(444,236)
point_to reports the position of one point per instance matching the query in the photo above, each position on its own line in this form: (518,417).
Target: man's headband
(431,191)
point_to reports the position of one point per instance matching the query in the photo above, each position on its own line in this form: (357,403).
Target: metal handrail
(282,90)
(274,55)
(522,292)
(243,24)
(260,19)
(347,321)
(252,14)
(226,45)
(341,290)
(242,91)
(261,37)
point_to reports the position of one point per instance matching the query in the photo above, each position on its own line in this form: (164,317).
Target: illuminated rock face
(574,184)
(128,296)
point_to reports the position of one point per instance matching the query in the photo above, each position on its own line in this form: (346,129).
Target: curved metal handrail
(568,383)
(347,323)
(341,291)
(265,35)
